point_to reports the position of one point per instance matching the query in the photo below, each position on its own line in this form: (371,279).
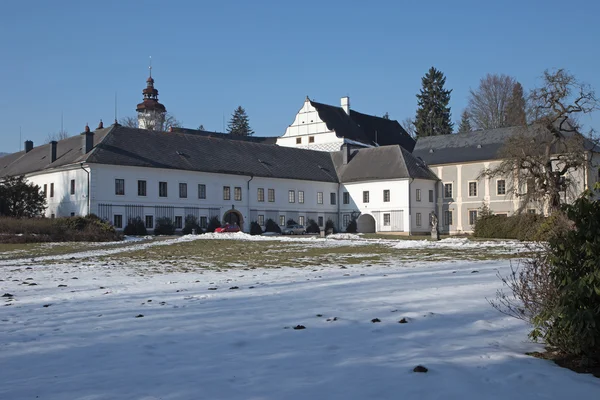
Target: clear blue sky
(71,57)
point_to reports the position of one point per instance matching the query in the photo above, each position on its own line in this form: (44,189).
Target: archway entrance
(233,217)
(365,224)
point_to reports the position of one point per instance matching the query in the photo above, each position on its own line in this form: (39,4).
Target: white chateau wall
(423,208)
(63,203)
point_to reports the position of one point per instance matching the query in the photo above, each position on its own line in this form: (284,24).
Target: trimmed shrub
(352,227)
(553,226)
(291,222)
(520,226)
(191,222)
(271,226)
(213,224)
(255,228)
(164,226)
(330,227)
(312,227)
(135,226)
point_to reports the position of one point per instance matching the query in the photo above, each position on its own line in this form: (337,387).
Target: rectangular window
(52,190)
(447,218)
(203,222)
(162,189)
(300,196)
(472,189)
(319,197)
(149,221)
(301,220)
(260,194)
(72,214)
(346,220)
(141,188)
(271,194)
(346,198)
(366,196)
(178,222)
(386,196)
(119,187)
(291,196)
(183,190)
(261,220)
(226,193)
(501,187)
(45,190)
(298,140)
(320,221)
(447,190)
(237,193)
(431,196)
(52,216)
(282,220)
(72,186)
(386,219)
(472,217)
(418,195)
(118,221)
(201,191)
(332,198)
(531,211)
(418,216)
(311,139)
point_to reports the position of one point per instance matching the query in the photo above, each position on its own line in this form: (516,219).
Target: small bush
(213,224)
(312,227)
(164,226)
(330,226)
(271,226)
(291,222)
(135,226)
(553,226)
(520,226)
(255,228)
(191,222)
(352,227)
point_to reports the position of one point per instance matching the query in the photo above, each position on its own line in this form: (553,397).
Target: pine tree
(465,123)
(386,115)
(239,123)
(515,111)
(433,114)
(201,127)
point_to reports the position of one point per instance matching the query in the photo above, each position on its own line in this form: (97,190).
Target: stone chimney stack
(53,151)
(100,125)
(346,104)
(28,146)
(87,140)
(345,153)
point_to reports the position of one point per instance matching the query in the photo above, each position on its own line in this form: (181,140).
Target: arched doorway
(233,217)
(365,224)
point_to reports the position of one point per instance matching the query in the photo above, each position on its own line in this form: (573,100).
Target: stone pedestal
(435,235)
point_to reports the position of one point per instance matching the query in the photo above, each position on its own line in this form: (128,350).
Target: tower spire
(150,66)
(151,114)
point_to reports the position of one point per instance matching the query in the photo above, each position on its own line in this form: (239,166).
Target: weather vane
(150,67)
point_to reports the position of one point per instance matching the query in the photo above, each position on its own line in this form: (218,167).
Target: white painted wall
(422,207)
(63,203)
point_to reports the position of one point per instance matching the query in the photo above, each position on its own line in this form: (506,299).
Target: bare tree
(170,121)
(56,136)
(129,122)
(488,104)
(539,160)
(409,126)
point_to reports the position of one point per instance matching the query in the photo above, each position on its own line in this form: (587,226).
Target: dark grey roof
(193,152)
(253,139)
(463,147)
(363,128)
(68,151)
(386,162)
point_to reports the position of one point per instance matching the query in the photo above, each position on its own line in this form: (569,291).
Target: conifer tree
(515,110)
(239,124)
(433,114)
(465,123)
(386,115)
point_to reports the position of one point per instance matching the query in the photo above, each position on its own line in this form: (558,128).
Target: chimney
(87,141)
(28,146)
(346,104)
(345,153)
(53,151)
(100,125)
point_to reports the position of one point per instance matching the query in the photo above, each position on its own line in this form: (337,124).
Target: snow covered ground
(91,331)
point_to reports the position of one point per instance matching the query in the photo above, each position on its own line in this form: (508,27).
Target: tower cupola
(151,114)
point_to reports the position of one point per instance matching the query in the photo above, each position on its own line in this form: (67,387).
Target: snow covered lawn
(94,330)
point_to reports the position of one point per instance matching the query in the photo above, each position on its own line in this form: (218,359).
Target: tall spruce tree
(515,110)
(386,115)
(239,124)
(465,123)
(433,114)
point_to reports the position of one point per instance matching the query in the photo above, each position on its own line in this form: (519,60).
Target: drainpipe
(248,185)
(88,188)
(339,200)
(410,207)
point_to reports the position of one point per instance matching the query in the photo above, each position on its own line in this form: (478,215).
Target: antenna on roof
(150,67)
(376,137)
(20,140)
(61,122)
(115,106)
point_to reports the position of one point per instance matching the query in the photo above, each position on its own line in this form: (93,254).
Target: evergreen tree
(239,123)
(515,111)
(201,128)
(19,198)
(433,114)
(386,115)
(465,123)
